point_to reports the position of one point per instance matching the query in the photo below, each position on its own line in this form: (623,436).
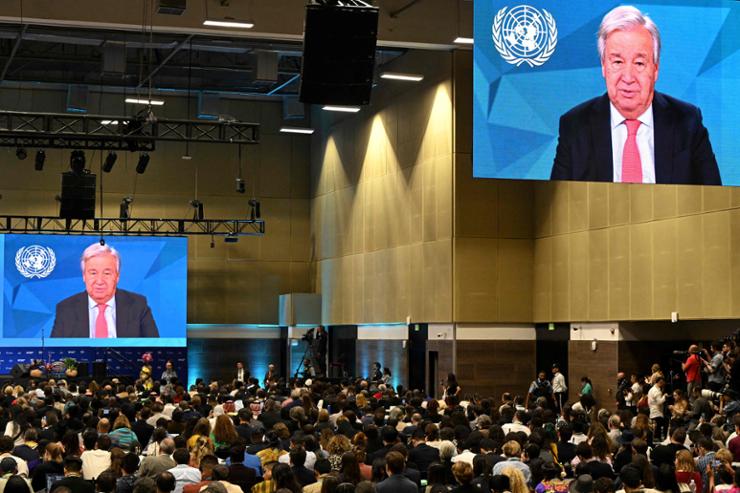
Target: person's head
(629,48)
(685,461)
(106,482)
(395,463)
(239,365)
(167,446)
(165,482)
(297,457)
(631,476)
(72,465)
(181,456)
(130,463)
(8,465)
(100,270)
(512,449)
(168,365)
(463,472)
(499,483)
(660,382)
(555,368)
(284,477)
(17,484)
(267,470)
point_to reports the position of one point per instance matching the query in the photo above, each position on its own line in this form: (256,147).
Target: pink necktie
(631,164)
(101,326)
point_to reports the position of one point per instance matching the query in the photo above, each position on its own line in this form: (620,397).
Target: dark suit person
(102,310)
(633,134)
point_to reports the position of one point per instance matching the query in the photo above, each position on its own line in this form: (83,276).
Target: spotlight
(40,158)
(77,161)
(110,160)
(240,188)
(197,205)
(143,163)
(21,153)
(102,241)
(124,212)
(255,209)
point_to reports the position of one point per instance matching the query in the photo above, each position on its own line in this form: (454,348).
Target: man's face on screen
(101,277)
(630,71)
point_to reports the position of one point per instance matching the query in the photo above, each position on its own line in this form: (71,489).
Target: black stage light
(40,158)
(21,153)
(198,214)
(110,160)
(124,211)
(77,161)
(143,163)
(240,186)
(255,212)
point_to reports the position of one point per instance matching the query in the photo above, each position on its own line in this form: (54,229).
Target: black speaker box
(20,370)
(83,369)
(100,370)
(78,196)
(338,54)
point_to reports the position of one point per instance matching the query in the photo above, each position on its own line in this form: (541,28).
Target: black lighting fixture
(231,238)
(110,160)
(198,214)
(240,186)
(40,158)
(254,212)
(143,163)
(77,161)
(124,210)
(21,153)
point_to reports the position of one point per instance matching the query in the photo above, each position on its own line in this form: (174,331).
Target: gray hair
(97,249)
(624,18)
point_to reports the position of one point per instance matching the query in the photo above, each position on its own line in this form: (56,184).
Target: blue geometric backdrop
(516,110)
(153,267)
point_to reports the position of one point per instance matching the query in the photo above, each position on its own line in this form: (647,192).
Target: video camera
(685,354)
(308,336)
(726,391)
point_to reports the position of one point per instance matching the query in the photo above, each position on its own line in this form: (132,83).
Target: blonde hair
(516,480)
(685,462)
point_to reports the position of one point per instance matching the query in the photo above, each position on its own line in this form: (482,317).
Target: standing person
(623,386)
(319,347)
(376,375)
(587,387)
(450,387)
(540,387)
(559,388)
(271,376)
(716,368)
(656,400)
(692,369)
(168,374)
(241,374)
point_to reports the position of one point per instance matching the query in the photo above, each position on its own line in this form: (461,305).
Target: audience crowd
(365,436)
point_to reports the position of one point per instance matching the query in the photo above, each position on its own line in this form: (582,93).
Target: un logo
(35,261)
(523,34)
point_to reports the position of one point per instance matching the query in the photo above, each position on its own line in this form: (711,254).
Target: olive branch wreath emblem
(509,57)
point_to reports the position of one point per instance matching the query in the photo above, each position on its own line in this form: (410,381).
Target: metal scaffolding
(65,131)
(133,226)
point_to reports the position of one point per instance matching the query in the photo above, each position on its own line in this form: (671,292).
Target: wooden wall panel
(489,368)
(600,366)
(444,351)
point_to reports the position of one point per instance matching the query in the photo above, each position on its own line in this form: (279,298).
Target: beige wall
(231,283)
(381,207)
(635,252)
(493,229)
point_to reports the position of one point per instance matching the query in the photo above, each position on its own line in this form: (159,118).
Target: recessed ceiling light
(343,109)
(461,40)
(399,76)
(152,102)
(296,130)
(228,23)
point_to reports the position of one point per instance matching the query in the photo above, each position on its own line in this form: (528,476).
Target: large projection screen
(535,61)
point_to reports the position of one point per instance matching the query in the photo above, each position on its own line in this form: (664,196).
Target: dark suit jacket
(397,483)
(133,316)
(683,152)
(423,456)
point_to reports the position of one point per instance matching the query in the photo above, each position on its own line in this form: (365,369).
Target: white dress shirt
(184,474)
(240,374)
(110,316)
(645,143)
(558,383)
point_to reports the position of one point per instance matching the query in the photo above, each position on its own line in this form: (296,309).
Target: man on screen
(633,134)
(103,311)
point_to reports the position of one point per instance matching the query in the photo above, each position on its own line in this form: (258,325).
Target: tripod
(309,355)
